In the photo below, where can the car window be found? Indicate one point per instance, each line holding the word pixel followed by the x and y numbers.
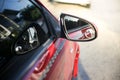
pixel 22 12
pixel 15 17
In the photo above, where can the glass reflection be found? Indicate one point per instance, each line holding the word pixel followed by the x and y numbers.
pixel 15 15
pixel 78 29
pixel 73 23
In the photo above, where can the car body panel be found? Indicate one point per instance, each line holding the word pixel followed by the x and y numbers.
pixel 60 69
pixel 58 63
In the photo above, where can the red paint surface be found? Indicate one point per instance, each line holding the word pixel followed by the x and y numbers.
pixel 65 66
pixel 42 63
pixel 65 63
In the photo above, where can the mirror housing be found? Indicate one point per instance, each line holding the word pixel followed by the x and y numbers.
pixel 77 29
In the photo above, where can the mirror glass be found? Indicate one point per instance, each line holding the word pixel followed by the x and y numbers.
pixel 78 29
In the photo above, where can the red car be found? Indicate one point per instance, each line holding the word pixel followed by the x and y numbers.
pixel 34 45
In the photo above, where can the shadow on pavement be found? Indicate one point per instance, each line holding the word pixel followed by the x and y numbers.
pixel 82 74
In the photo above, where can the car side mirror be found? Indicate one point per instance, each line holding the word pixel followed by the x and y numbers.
pixel 77 29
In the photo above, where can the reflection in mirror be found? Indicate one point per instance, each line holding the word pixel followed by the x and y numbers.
pixel 78 29
pixel 73 23
pixel 28 41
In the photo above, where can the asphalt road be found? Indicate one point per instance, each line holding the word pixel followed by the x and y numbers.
pixel 99 59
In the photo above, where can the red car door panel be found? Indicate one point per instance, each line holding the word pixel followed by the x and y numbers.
pixel 63 67
pixel 40 67
pixel 56 63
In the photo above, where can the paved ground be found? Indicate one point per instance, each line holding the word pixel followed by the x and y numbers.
pixel 100 58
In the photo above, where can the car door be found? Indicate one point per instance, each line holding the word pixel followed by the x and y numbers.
pixel 58 59
pixel 63 67
pixel 40 55
pixel 50 65
pixel 33 42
